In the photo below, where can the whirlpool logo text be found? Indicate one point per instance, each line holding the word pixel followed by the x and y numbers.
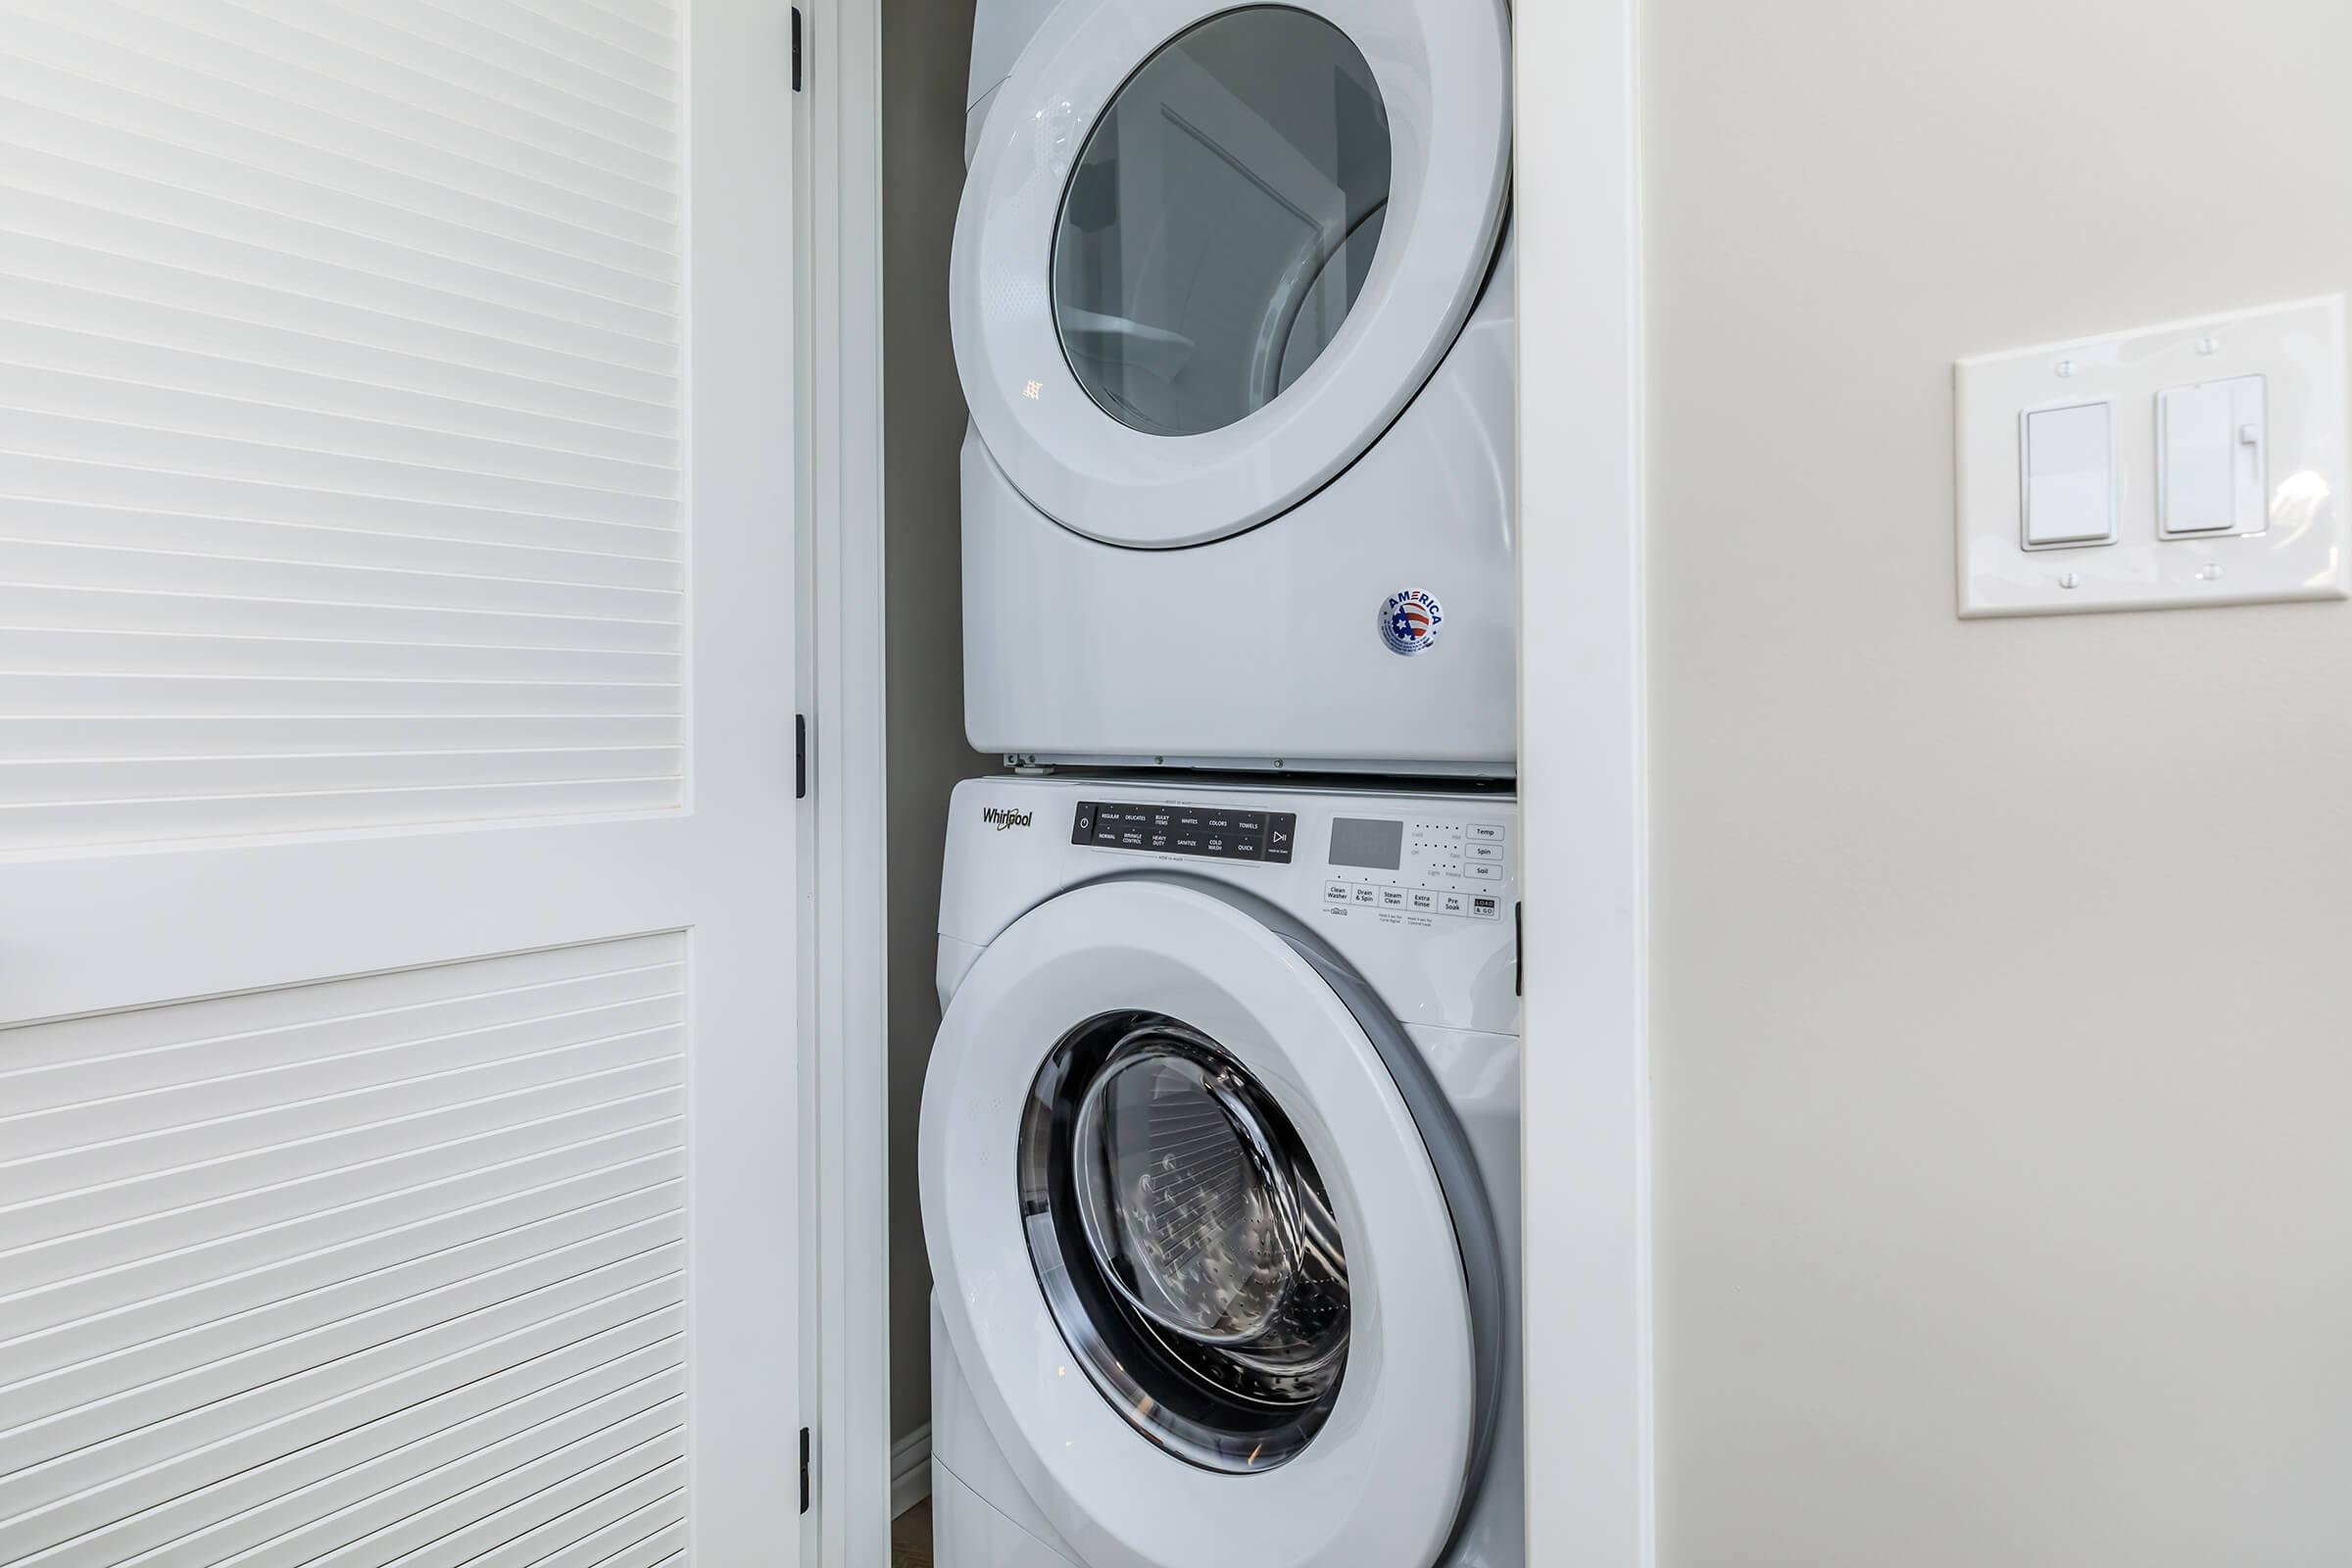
pixel 998 817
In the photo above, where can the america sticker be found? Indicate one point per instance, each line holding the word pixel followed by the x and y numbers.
pixel 1409 623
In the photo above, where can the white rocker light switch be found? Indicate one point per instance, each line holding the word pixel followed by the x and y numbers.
pixel 2069 461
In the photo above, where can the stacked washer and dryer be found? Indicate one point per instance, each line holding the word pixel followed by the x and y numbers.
pixel 1220 1138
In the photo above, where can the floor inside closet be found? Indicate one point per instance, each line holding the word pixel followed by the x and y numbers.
pixel 910 1537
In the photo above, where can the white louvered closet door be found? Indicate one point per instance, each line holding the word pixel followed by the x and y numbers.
pixel 399 1083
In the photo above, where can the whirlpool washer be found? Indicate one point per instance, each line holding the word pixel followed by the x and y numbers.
pixel 1219 1175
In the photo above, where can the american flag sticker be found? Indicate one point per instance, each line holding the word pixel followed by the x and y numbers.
pixel 1409 623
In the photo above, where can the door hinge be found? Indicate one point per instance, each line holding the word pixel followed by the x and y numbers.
pixel 800 756
pixel 804 1469
pixel 796 48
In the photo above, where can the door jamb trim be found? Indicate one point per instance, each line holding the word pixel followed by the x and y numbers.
pixel 846 1354
pixel 1583 786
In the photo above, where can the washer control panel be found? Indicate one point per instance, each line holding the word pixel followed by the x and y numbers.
pixel 1434 867
pixel 1212 832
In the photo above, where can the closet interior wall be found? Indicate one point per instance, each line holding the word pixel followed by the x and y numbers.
pixel 926 57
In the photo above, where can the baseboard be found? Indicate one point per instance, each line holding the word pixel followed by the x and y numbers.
pixel 911 1470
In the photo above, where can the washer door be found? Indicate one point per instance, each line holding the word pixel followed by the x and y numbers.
pixel 1188 1247
pixel 1208 253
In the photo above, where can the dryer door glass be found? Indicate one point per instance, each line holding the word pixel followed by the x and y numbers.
pixel 1185 1242
pixel 1221 220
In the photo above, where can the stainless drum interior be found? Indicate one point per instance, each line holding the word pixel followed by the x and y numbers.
pixel 1185 1242
pixel 1221 220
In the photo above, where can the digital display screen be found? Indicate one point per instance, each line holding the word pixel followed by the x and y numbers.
pixel 1374 845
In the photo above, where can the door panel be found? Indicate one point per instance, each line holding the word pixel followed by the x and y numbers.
pixel 398 1077
pixel 309 425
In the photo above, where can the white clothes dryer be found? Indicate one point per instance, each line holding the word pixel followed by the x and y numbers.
pixel 1219 1172
pixel 1232 306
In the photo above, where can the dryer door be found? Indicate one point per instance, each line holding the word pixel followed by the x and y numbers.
pixel 1190 1247
pixel 1206 255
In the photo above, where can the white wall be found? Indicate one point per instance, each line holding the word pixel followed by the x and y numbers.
pixel 926 49
pixel 2004 1192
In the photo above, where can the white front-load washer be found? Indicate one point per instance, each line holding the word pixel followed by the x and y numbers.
pixel 1220 1178
pixel 1233 308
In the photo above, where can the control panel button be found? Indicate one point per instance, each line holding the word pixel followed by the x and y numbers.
pixel 1212 833
pixel 1393 898
pixel 1484 871
pixel 1423 903
pixel 1453 903
pixel 1485 852
pixel 1335 893
pixel 1367 894
pixel 1488 833
pixel 1483 908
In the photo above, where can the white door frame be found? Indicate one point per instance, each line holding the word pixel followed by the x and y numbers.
pixel 1583 787
pixel 847 1349
pixel 1583 750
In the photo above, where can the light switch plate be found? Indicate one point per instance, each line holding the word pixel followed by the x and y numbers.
pixel 2292 547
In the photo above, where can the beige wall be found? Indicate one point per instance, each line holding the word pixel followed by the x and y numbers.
pixel 927 48
pixel 2001 970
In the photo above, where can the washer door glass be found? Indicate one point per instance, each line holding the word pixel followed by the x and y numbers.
pixel 1186 1245
pixel 1222 220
